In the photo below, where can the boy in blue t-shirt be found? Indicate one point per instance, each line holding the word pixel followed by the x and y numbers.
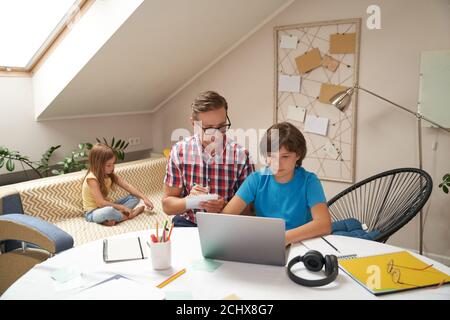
pixel 284 189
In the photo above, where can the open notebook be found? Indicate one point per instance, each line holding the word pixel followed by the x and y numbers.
pixel 393 272
pixel 123 249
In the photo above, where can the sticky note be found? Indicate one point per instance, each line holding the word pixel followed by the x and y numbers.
pixel 308 61
pixel 289 42
pixel 328 90
pixel 178 295
pixel 206 265
pixel 232 297
pixel 330 63
pixel 343 43
pixel 289 83
pixel 65 274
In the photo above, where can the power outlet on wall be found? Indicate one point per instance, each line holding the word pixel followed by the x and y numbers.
pixel 134 141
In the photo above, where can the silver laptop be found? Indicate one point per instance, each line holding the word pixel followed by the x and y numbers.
pixel 242 238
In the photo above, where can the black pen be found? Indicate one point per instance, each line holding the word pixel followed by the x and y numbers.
pixel 330 244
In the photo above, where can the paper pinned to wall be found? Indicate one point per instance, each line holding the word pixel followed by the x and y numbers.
pixel 330 63
pixel 330 150
pixel 328 90
pixel 308 61
pixel 296 113
pixel 288 83
pixel 343 43
pixel 317 125
pixel 289 42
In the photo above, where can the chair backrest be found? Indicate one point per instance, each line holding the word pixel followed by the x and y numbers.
pixel 384 202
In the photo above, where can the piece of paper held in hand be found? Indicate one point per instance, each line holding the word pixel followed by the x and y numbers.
pixel 193 202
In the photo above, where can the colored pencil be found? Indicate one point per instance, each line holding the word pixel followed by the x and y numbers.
pixel 170 232
pixel 170 279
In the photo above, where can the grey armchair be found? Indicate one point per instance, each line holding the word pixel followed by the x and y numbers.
pixel 24 240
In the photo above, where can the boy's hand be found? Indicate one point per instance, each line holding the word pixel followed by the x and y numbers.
pixel 148 204
pixel 213 205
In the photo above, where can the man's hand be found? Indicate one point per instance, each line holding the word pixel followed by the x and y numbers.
pixel 198 190
pixel 213 205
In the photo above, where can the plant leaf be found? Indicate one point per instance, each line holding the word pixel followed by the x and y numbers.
pixel 445 189
pixel 2 161
pixel 98 140
pixel 105 141
pixel 112 142
pixel 10 165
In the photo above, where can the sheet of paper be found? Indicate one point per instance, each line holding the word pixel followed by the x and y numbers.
pixel 316 125
pixel 289 83
pixel 178 295
pixel 120 288
pixel 343 43
pixel 308 61
pixel 193 202
pixel 296 113
pixel 206 265
pixel 289 42
pixel 330 150
pixel 328 90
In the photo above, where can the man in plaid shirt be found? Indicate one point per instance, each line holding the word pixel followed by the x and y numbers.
pixel 207 162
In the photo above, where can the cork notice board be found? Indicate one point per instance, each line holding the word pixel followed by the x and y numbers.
pixel 313 62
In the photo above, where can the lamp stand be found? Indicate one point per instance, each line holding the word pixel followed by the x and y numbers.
pixel 419 117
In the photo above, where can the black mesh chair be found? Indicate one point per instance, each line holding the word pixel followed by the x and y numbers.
pixel 384 202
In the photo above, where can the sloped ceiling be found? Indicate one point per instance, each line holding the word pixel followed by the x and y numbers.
pixel 163 45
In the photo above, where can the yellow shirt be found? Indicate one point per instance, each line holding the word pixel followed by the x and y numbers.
pixel 88 200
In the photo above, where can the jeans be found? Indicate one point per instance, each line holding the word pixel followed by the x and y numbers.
pixel 101 215
pixel 180 221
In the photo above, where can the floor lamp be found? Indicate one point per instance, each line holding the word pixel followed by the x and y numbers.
pixel 342 99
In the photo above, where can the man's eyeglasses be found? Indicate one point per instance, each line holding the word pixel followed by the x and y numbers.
pixel 212 130
pixel 395 273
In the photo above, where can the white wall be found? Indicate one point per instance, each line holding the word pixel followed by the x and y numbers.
pixel 389 65
pixel 19 130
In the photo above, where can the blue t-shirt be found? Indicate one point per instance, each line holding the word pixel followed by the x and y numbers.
pixel 291 201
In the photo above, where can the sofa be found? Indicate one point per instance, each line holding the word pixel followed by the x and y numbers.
pixel 58 200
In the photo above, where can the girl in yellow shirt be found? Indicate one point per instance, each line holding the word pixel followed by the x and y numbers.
pixel 97 184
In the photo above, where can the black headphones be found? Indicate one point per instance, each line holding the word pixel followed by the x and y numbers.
pixel 314 261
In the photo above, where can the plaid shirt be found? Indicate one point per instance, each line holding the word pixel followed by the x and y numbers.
pixel 223 173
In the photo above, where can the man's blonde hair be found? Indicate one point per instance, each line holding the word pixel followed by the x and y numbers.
pixel 208 101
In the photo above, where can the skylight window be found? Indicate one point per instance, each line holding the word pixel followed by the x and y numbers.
pixel 28 27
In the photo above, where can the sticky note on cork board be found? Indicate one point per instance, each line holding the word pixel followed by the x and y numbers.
pixel 343 43
pixel 308 61
pixel 327 91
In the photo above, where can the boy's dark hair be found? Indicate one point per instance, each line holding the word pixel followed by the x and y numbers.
pixel 289 137
pixel 208 101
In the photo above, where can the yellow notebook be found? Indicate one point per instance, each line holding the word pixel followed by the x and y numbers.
pixel 393 272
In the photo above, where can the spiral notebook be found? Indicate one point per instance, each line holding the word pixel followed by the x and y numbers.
pixel 393 272
pixel 115 250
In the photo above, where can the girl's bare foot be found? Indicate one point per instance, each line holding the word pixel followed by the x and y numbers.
pixel 109 223
pixel 136 211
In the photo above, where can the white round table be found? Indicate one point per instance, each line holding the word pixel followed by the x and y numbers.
pixel 243 280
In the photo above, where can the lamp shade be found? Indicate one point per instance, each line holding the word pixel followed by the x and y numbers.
pixel 342 99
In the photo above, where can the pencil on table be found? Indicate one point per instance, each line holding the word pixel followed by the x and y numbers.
pixel 171 278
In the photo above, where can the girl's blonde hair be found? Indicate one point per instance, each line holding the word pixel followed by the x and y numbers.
pixel 98 156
